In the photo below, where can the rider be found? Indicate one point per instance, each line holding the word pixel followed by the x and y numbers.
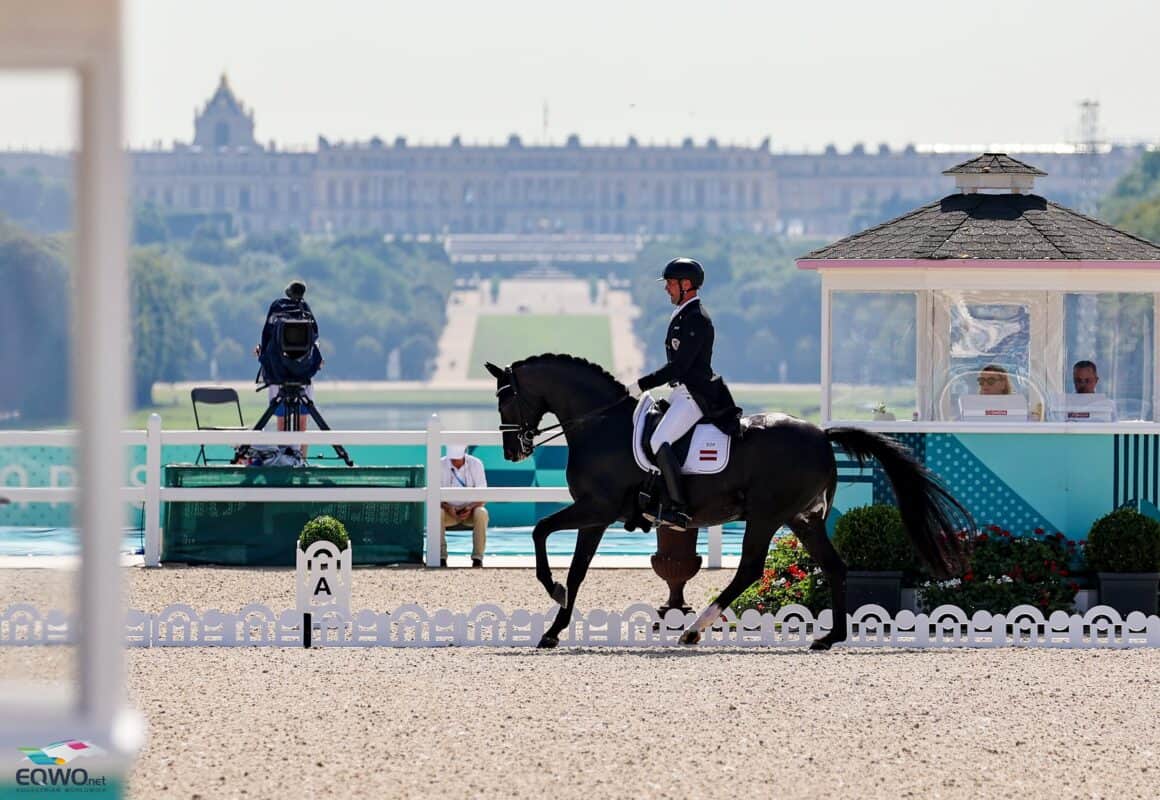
pixel 697 391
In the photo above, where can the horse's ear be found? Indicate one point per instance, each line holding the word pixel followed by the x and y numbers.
pixel 496 372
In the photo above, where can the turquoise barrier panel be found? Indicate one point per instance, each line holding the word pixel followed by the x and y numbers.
pixel 1024 481
pixel 54 467
pixel 1020 481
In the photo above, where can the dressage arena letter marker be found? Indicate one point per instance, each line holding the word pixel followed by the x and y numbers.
pixel 323 578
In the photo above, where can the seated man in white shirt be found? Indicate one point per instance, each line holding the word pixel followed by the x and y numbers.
pixel 463 471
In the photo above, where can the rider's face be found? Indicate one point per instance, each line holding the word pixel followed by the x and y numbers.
pixel 673 288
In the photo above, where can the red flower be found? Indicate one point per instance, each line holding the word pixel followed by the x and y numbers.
pixel 797 572
pixel 982 537
pixel 970 576
pixel 1039 531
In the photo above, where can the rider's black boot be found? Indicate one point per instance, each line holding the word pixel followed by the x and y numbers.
pixel 674 514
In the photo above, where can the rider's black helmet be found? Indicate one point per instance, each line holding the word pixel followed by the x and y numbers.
pixel 680 268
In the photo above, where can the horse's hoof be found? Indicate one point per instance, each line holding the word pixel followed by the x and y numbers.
pixel 547 642
pixel 827 641
pixel 560 594
pixel 690 637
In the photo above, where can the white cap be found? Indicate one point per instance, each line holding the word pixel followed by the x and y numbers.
pixel 456 451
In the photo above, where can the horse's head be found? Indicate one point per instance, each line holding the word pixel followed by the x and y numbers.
pixel 519 413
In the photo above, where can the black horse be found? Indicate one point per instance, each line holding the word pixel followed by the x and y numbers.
pixel 782 472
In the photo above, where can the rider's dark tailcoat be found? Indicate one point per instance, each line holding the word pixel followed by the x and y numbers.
pixel 689 349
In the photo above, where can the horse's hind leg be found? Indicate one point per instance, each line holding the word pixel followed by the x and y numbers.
pixel 587 540
pixel 754 548
pixel 810 528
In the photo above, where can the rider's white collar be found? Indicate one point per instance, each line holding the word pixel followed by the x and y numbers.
pixel 681 307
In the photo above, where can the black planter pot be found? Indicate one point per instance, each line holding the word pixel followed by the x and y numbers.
pixel 1129 591
pixel 864 587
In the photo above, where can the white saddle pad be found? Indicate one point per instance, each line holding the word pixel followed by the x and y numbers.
pixel 708 452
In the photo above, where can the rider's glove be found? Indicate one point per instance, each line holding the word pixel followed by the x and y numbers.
pixel 634 390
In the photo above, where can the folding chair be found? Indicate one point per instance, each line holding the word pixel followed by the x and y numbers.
pixel 215 395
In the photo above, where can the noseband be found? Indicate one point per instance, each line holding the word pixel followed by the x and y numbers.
pixel 526 433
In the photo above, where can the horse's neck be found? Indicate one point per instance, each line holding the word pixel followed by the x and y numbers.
pixel 570 397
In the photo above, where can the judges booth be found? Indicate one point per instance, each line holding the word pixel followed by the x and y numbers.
pixel 1009 341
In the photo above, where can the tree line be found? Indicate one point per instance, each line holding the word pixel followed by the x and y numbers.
pixel 199 303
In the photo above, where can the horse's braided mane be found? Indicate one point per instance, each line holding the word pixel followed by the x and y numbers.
pixel 570 359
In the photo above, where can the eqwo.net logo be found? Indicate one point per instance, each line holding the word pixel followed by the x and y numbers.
pixel 59 753
pixel 50 771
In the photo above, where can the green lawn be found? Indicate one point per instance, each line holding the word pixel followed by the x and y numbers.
pixel 503 339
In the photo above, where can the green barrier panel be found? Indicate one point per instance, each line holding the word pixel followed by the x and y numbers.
pixel 263 534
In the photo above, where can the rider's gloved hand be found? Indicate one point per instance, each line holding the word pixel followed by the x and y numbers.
pixel 634 390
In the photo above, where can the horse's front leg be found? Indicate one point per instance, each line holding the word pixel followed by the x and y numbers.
pixel 586 543
pixel 577 515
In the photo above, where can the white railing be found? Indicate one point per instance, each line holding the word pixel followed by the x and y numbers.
pixel 152 494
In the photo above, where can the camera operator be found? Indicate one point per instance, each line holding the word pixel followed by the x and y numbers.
pixel 292 306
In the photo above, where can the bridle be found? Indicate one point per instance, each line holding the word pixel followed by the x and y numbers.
pixel 527 433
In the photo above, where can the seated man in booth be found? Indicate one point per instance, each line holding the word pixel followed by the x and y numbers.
pixel 463 471
pixel 1085 377
pixel 1088 403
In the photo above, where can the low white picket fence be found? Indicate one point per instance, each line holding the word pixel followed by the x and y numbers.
pixel 152 494
pixel 638 625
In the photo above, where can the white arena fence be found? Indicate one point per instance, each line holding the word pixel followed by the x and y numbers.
pixel 152 494
pixel 637 626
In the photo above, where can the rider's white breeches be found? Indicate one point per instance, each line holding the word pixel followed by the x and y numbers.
pixel 682 415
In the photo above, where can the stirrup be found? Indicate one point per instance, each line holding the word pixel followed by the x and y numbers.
pixel 673 518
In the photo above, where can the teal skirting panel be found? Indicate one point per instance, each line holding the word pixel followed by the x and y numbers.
pixel 1025 481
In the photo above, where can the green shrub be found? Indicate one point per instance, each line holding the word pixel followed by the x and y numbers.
pixel 791 577
pixel 1124 541
pixel 326 529
pixel 873 538
pixel 1006 571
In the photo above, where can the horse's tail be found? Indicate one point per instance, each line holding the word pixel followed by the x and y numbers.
pixel 931 516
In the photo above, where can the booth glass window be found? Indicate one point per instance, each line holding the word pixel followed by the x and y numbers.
pixel 872 355
pixel 1114 333
pixel 986 364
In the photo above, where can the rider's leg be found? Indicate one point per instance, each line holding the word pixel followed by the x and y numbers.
pixel 682 415
pixel 676 514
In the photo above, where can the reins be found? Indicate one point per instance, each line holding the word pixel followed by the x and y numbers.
pixel 528 433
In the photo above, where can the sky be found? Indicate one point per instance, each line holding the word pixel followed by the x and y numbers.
pixel 804 74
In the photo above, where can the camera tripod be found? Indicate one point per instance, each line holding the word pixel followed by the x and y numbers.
pixel 294 396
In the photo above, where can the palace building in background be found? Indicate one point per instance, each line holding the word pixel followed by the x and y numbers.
pixel 523 189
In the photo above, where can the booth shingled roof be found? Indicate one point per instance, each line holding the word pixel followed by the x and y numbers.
pixel 1013 225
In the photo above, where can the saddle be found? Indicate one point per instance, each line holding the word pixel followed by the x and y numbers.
pixel 702 451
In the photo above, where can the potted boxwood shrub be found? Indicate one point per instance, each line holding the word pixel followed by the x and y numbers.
pixel 1123 549
pixel 874 545
pixel 324 528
